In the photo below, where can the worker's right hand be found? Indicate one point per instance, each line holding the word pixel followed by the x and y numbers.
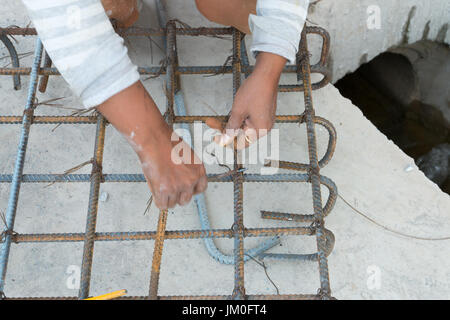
pixel 173 177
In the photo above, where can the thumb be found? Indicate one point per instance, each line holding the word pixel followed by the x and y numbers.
pixel 232 128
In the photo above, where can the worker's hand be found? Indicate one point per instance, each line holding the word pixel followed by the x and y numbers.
pixel 173 171
pixel 253 112
pixel 173 177
pixel 125 12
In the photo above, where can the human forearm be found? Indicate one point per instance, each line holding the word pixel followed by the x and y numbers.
pixel 270 66
pixel 172 178
pixel 134 113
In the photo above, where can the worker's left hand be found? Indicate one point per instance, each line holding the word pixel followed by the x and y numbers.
pixel 253 112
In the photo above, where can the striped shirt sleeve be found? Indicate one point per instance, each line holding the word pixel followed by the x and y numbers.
pixel 277 26
pixel 83 45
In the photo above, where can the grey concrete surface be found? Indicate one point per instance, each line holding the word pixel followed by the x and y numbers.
pixel 370 171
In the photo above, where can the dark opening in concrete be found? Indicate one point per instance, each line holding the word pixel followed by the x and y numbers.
pixel 389 92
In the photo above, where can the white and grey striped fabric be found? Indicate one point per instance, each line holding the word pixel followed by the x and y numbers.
pixel 92 58
pixel 277 26
pixel 83 45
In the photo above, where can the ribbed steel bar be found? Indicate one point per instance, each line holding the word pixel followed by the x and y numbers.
pixel 157 255
pixel 329 245
pixel 168 235
pixel 238 186
pixel 223 118
pixel 126 177
pixel 50 120
pixel 314 170
pixel 44 79
pixel 135 31
pixel 186 70
pixel 18 168
pixel 170 96
pixel 91 221
pixel 93 120
pixel 200 297
pixel 322 162
pixel 14 59
pixel 329 205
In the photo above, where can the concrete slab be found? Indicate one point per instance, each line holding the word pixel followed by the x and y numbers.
pixel 369 170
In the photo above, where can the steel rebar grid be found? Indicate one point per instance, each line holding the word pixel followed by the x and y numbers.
pixel 325 239
pixel 314 169
pixel 91 221
pixel 320 67
pixel 238 186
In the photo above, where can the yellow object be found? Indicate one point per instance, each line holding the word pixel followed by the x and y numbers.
pixel 109 296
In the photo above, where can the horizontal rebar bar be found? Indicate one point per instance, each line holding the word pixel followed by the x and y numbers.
pixel 156 70
pixel 135 31
pixel 171 234
pixel 93 119
pixel 124 177
pixel 192 297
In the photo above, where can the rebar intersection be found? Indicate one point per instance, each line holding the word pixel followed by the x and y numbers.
pixel 324 237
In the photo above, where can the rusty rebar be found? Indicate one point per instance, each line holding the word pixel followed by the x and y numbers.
pixel 44 79
pixel 238 186
pixel 170 93
pixel 314 168
pixel 240 65
pixel 91 221
pixel 18 168
pixel 15 62
pixel 168 235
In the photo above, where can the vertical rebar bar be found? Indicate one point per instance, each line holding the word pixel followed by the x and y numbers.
pixel 20 159
pixel 170 92
pixel 157 255
pixel 170 75
pixel 314 170
pixel 91 221
pixel 44 79
pixel 238 186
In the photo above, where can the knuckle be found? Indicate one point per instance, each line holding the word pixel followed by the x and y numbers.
pixel 170 206
pixel 186 184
